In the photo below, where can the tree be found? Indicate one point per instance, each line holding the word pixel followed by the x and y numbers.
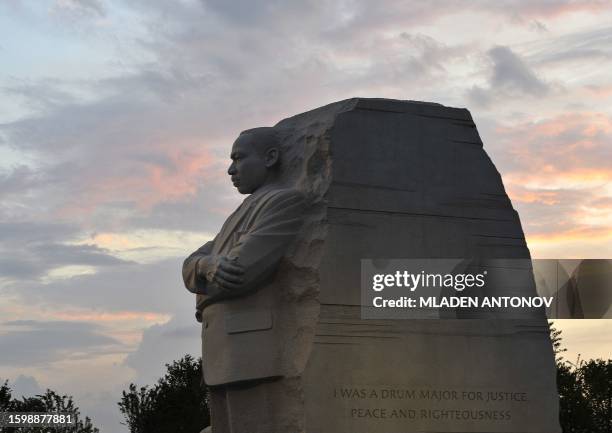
pixel 585 392
pixel 555 338
pixel 595 377
pixel 574 411
pixel 49 402
pixel 177 403
pixel 5 396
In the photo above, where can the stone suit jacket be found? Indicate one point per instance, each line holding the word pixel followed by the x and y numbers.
pixel 240 336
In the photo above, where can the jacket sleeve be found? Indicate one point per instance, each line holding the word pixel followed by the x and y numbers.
pixel 196 266
pixel 260 249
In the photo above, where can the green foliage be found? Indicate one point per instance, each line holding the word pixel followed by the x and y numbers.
pixel 574 410
pixel 178 403
pixel 49 402
pixel 595 377
pixel 555 338
pixel 585 392
pixel 5 396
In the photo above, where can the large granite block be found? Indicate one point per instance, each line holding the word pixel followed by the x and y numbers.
pixel 403 179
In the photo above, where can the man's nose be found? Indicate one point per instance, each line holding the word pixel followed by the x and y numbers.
pixel 232 169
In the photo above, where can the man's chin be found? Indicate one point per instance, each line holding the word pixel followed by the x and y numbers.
pixel 243 190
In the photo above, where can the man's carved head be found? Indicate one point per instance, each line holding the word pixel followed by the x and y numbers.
pixel 255 159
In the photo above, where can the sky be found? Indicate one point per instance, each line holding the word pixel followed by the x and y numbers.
pixel 116 119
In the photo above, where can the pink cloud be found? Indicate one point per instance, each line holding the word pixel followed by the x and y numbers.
pixel 182 180
pixel 148 183
pixel 598 91
pixel 519 193
pixel 559 175
pixel 575 142
pixel 555 9
pixel 109 316
pixel 553 177
pixel 576 234
pixel 604 203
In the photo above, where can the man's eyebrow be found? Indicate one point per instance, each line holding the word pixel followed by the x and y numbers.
pixel 235 154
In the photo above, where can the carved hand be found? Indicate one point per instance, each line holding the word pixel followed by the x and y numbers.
pixel 227 274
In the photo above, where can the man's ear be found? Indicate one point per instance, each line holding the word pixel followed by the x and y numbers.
pixel 272 157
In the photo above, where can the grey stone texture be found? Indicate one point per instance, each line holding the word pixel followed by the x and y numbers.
pixel 403 179
pixel 397 179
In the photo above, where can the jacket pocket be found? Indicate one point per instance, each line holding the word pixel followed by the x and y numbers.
pixel 246 321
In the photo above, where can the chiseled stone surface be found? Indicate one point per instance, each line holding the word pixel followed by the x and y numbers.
pixel 403 179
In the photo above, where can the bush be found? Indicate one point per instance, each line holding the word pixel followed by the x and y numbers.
pixel 585 392
pixel 178 403
pixel 50 402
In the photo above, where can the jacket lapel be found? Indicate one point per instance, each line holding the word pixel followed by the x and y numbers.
pixel 229 228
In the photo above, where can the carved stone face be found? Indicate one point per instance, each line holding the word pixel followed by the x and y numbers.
pixel 250 167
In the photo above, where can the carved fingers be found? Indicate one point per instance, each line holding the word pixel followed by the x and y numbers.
pixel 229 274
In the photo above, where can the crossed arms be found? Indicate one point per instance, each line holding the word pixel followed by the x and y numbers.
pixel 253 258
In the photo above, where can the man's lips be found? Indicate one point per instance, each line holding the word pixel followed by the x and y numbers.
pixel 235 182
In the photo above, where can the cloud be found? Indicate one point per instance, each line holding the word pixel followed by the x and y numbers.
pixel 59 254
pixel 511 73
pixel 583 234
pixel 108 161
pixel 125 113
pixel 20 180
pixel 205 211
pixel 33 260
pixel 38 95
pixel 247 13
pixel 25 386
pixel 603 203
pixel 510 77
pixel 549 211
pixel 598 91
pixel 43 231
pixel 29 250
pixel 29 342
pixel 573 49
pixel 555 147
pixel 162 344
pixel 106 316
pixel 148 147
pixel 154 287
pixel 80 7
pixel 545 9
pixel 558 172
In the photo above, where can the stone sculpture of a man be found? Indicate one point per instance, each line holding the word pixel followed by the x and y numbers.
pixel 237 293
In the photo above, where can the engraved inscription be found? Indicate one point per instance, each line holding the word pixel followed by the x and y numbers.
pixel 429 404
